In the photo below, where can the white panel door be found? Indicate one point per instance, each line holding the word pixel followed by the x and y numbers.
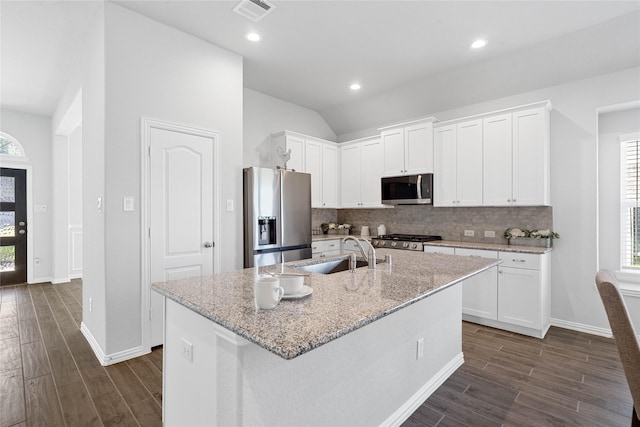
pixel 181 212
pixel 297 147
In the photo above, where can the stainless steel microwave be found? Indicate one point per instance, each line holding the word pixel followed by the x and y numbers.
pixel 408 190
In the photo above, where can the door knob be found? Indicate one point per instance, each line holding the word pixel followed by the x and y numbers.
pixel 21 231
pixel 208 244
pixel 22 223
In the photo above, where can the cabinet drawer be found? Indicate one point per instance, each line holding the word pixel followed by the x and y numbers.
pixel 477 253
pixel 519 260
pixel 325 245
pixel 439 250
pixel 352 246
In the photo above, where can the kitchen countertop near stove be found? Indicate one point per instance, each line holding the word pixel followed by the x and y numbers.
pixel 321 237
pixel 490 246
pixel 341 302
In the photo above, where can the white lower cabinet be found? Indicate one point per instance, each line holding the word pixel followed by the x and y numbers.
pixel 480 293
pixel 325 248
pixel 513 296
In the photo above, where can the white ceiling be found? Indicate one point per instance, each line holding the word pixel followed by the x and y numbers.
pixel 312 50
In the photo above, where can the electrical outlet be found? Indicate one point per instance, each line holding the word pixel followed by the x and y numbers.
pixel 469 233
pixel 90 304
pixel 489 233
pixel 229 205
pixel 420 348
pixel 187 349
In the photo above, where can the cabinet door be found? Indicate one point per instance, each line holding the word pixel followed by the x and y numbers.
pixel 530 157
pixel 418 141
pixel 297 147
pixel 496 161
pixel 393 150
pixel 469 163
pixel 371 172
pixel 519 297
pixel 444 165
pixel 329 176
pixel 480 292
pixel 350 173
pixel 313 154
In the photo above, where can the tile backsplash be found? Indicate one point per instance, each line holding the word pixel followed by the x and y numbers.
pixel 450 223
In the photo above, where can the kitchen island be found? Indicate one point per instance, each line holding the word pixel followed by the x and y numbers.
pixel 365 348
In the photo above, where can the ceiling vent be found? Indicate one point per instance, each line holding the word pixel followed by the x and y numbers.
pixel 254 10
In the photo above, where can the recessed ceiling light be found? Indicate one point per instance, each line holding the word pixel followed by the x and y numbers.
pixel 478 44
pixel 254 37
pixel 355 86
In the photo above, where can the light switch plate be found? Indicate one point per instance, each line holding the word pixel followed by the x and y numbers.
pixel 229 205
pixel 127 204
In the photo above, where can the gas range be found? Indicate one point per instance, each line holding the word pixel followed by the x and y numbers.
pixel 411 242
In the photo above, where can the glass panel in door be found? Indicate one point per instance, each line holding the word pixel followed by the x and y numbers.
pixel 13 226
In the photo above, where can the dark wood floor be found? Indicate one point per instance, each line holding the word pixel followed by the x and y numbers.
pixel 49 375
pixel 567 379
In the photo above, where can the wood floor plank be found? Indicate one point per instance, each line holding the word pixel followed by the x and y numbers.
pixel 77 407
pixel 63 366
pixel 29 331
pixel 34 360
pixel 113 411
pixel 10 358
pixel 128 383
pixel 43 407
pixel 12 405
pixel 149 375
pixel 9 327
pixel 148 413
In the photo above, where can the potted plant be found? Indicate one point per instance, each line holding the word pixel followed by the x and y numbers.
pixel 524 237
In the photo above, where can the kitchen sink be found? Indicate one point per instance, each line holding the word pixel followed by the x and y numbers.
pixel 333 266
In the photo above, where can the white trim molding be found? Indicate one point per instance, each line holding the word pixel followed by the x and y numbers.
pixel 146 125
pixel 581 327
pixel 110 359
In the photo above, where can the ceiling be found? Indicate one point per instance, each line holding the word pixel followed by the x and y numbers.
pixel 311 51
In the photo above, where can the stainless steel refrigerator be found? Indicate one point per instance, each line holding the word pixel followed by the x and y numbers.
pixel 277 216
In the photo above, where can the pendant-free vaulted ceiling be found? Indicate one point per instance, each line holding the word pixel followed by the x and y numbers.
pixel 311 51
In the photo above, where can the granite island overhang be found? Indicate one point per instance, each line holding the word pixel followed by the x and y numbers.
pixel 352 342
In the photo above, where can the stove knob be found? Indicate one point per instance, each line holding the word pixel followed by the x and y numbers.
pixel 405 245
pixel 375 243
pixel 394 244
pixel 383 243
pixel 414 246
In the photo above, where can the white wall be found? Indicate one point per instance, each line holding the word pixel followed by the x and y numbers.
pixel 574 162
pixel 34 133
pixel 264 115
pixel 149 70
pixel 75 204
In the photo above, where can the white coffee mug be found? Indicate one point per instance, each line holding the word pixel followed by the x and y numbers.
pixel 268 292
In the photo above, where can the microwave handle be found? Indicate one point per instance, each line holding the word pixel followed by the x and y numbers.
pixel 419 185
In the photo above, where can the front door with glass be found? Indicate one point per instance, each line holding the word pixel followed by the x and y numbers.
pixel 13 226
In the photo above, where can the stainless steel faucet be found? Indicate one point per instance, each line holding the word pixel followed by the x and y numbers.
pixel 371 257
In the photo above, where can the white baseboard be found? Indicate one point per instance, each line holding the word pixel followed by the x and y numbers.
pixel 110 359
pixel 580 327
pixel 35 280
pixel 410 406
pixel 60 280
pixel 75 276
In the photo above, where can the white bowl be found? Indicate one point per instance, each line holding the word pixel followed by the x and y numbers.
pixel 291 283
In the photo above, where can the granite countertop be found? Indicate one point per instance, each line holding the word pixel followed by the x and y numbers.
pixel 320 237
pixel 491 247
pixel 340 302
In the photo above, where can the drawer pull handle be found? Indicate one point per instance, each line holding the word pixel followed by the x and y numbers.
pixel 519 260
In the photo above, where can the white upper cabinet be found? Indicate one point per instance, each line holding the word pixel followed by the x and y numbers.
pixel 281 143
pixel 315 156
pixel 408 149
pixel 516 158
pixel 313 162
pixel 360 173
pixel 329 176
pixel 531 157
pixel 458 164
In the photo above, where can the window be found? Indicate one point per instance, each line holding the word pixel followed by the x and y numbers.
pixel 630 202
pixel 9 146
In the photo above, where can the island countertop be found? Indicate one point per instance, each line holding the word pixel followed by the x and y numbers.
pixel 340 302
